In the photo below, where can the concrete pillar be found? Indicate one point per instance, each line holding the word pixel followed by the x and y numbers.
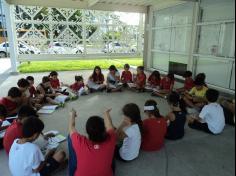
pixel 11 32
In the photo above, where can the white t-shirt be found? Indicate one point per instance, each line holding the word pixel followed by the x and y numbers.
pixel 131 145
pixel 23 158
pixel 213 115
pixel 110 77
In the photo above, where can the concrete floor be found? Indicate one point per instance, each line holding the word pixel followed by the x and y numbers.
pixel 198 154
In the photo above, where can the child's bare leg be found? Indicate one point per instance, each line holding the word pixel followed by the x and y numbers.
pixel 188 102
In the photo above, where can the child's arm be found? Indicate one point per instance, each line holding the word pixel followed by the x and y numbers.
pixel 120 131
pixel 170 117
pixel 107 119
pixel 72 128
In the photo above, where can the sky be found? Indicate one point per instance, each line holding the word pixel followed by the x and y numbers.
pixel 129 18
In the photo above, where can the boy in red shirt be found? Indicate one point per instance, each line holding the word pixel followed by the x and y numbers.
pixel 11 102
pixel 154 128
pixel 32 89
pixel 78 87
pixel 94 155
pixel 167 85
pixel 140 81
pixel 55 83
pixel 126 76
pixel 188 83
pixel 14 131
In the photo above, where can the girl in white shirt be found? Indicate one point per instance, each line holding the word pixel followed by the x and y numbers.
pixel 113 80
pixel 129 133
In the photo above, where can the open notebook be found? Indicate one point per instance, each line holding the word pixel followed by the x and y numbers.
pixel 49 109
pixel 61 98
pixel 4 124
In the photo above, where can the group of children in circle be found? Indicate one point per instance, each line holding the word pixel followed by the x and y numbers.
pixel 194 103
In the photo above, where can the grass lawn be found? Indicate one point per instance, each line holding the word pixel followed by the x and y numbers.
pixel 46 66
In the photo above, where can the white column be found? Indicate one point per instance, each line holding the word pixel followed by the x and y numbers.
pixel 11 32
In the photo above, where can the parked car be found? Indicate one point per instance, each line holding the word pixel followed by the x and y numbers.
pixel 117 47
pixel 22 49
pixel 64 48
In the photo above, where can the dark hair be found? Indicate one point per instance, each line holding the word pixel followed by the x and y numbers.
pixel 201 77
pixel 132 111
pixel 171 76
pixel 32 126
pixel 127 66
pixel 45 79
pixel 79 78
pixel 199 82
pixel 14 92
pixel 96 129
pixel 23 83
pixel 94 72
pixel 113 68
pixel 154 112
pixel 188 74
pixel 156 74
pixel 30 78
pixel 141 68
pixel 175 100
pixel 212 95
pixel 53 73
pixel 26 111
pixel 3 111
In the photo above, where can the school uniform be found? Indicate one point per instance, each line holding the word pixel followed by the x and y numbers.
pixel 153 81
pixel 141 80
pixel 213 119
pixel 96 82
pixel 55 83
pixel 8 104
pixel 166 83
pixel 126 77
pixel 154 131
pixel 188 84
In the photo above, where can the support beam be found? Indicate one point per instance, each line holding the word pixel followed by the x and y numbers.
pixel 8 9
pixel 92 2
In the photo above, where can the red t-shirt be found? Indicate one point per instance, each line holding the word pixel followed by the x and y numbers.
pixel 189 84
pixel 154 131
pixel 153 81
pixel 55 83
pixel 76 86
pixel 166 84
pixel 126 76
pixel 141 79
pixel 94 159
pixel 9 105
pixel 32 91
pixel 14 131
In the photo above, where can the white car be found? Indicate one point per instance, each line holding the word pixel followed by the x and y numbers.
pixel 117 47
pixel 22 49
pixel 64 48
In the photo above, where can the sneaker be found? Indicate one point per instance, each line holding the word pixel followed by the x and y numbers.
pixel 61 105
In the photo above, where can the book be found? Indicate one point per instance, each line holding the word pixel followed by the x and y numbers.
pixel 131 85
pixel 61 98
pixel 48 109
pixel 57 139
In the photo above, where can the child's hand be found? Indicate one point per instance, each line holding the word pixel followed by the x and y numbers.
pixel 107 111
pixel 73 113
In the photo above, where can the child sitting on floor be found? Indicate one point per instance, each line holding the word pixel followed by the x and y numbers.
pixel 229 110
pixel 32 89
pixel 15 129
pixel 167 86
pixel 26 158
pixel 129 133
pixel 113 80
pixel 154 81
pixel 12 101
pixel 196 98
pixel 78 88
pixel 140 80
pixel 96 81
pixel 45 90
pixel 211 119
pixel 188 83
pixel 176 118
pixel 98 149
pixel 154 128
pixel 24 86
pixel 55 82
pixel 126 76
